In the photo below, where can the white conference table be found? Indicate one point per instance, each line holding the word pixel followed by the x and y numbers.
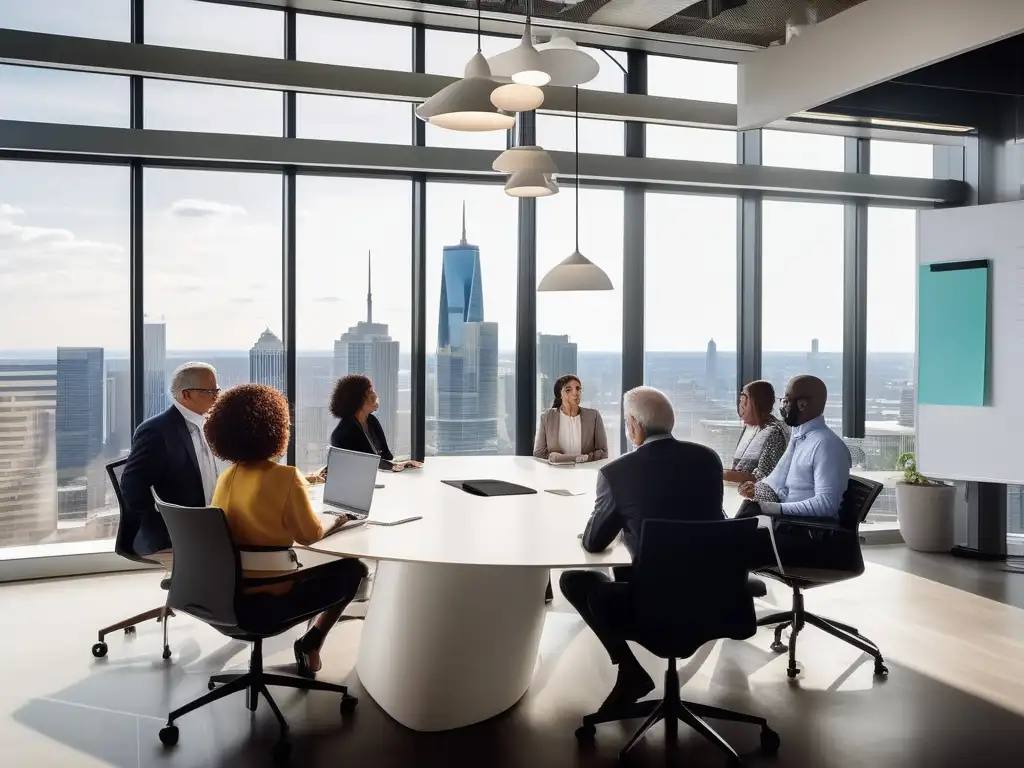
pixel 453 627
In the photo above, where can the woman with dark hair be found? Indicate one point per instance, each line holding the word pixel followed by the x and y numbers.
pixel 353 403
pixel 267 508
pixel 567 432
pixel 764 437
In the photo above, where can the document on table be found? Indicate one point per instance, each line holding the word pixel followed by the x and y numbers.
pixel 563 492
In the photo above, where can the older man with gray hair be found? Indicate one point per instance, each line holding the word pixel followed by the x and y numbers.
pixel 170 455
pixel 664 479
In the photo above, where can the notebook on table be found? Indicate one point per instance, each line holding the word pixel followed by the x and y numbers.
pixel 489 487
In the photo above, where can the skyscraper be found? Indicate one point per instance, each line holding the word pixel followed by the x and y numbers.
pixel 79 427
pixel 154 343
pixel 367 349
pixel 266 361
pixel 467 357
pixel 28 453
pixel 556 356
pixel 711 369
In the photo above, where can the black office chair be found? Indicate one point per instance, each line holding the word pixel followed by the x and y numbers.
pixel 841 543
pixel 207 583
pixel 703 566
pixel 124 546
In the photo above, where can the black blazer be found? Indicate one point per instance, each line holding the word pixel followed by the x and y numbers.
pixel 665 479
pixel 349 435
pixel 163 458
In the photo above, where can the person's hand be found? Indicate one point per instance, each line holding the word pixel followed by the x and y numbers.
pixel 582 459
pixel 315 479
pixel 411 464
pixel 339 521
pixel 747 489
pixel 397 466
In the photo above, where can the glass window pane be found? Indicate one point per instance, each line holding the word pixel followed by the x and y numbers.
pixel 214 27
pixel 802 290
pixel 471 319
pixel 339 118
pixel 176 106
pixel 213 272
pixel 598 137
pixel 690 322
pixel 102 19
pixel 587 323
pixel 899 158
pixel 65 399
pixel 691 79
pixel 810 151
pixel 345 324
pixel 682 143
pixel 62 96
pixel 353 43
pixel 892 325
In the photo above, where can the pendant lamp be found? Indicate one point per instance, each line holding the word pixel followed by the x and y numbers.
pixel 532 171
pixel 567 64
pixel 576 272
pixel 514 97
pixel 522 64
pixel 466 104
pixel 530 184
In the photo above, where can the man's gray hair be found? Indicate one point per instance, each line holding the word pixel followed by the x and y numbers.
pixel 652 410
pixel 187 376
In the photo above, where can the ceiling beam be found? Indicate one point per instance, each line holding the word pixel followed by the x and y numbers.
pixel 638 14
pixel 872 42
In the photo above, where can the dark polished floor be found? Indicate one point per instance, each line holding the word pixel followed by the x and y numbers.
pixel 955 696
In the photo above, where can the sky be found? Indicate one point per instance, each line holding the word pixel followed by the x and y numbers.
pixel 213 239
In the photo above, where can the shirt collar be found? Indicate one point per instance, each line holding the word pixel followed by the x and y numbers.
pixel 805 429
pixel 190 416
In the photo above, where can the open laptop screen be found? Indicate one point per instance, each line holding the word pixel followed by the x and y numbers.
pixel 350 480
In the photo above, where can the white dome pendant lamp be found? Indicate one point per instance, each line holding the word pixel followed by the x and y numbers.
pixel 466 104
pixel 576 272
pixel 523 64
pixel 567 64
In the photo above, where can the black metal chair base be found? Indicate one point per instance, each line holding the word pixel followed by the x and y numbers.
pixel 797 618
pixel 255 683
pixel 161 614
pixel 672 709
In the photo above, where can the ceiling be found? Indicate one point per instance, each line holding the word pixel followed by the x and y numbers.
pixel 749 22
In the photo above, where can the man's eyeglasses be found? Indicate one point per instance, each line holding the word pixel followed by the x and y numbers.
pixel 206 391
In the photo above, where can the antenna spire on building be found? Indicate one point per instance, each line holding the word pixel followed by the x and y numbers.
pixel 369 288
pixel 463 223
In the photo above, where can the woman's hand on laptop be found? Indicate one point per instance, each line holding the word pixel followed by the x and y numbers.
pixel 338 522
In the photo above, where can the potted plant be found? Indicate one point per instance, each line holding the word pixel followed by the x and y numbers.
pixel 924 508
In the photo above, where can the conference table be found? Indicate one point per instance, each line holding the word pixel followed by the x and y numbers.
pixel 453 627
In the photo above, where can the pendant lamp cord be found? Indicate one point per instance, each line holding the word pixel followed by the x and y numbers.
pixel 577 159
pixel 479 22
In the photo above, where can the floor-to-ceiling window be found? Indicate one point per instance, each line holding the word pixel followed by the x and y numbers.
pixel 471 319
pixel 65 393
pixel 354 314
pixel 582 327
pixel 690 314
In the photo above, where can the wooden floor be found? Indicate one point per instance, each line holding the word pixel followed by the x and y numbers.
pixel 952 633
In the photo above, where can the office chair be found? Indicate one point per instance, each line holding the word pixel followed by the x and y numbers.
pixel 124 546
pixel 207 583
pixel 841 544
pixel 703 566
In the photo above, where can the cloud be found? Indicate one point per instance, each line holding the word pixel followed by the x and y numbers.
pixel 328 299
pixel 11 210
pixel 30 245
pixel 192 208
pixel 14 234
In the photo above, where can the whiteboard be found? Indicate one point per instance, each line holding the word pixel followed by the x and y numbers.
pixel 980 444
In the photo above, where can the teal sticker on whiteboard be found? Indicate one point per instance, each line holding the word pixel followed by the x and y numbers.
pixel 952 333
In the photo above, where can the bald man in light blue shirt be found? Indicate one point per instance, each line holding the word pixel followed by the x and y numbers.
pixel 811 477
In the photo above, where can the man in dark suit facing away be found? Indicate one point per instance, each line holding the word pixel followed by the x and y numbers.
pixel 170 455
pixel 663 479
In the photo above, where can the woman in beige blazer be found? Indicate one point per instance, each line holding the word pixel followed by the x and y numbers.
pixel 567 432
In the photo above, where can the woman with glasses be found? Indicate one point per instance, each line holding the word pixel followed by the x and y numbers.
pixel 569 433
pixel 764 437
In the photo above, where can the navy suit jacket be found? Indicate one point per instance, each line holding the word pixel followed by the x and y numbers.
pixel 162 458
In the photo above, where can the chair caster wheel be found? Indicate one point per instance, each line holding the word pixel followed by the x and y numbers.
pixel 211 685
pixel 99 650
pixel 792 673
pixel 770 741
pixel 167 653
pixel 129 630
pixel 586 733
pixel 778 647
pixel 169 735
pixel 881 670
pixel 348 704
pixel 282 752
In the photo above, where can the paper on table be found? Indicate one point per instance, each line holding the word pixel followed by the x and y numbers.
pixel 765 521
pixel 563 492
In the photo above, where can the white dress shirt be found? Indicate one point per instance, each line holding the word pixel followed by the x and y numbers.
pixel 570 434
pixel 207 465
pixel 813 473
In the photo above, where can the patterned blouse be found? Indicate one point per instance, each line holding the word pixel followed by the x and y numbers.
pixel 760 448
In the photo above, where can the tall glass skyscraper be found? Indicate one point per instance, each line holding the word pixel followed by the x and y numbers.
pixel 556 356
pixel 154 342
pixel 467 357
pixel 266 361
pixel 80 380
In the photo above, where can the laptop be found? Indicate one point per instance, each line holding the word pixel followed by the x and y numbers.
pixel 351 476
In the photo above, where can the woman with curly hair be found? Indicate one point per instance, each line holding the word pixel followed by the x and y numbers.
pixel 267 508
pixel 353 403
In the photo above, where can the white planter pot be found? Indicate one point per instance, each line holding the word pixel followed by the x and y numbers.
pixel 925 514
